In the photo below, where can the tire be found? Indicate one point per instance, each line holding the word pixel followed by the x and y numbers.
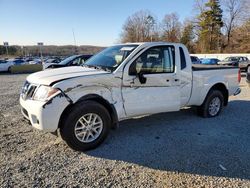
pixel 75 120
pixel 9 70
pixel 213 104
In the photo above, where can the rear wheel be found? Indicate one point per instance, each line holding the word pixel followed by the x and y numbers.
pixel 212 105
pixel 86 126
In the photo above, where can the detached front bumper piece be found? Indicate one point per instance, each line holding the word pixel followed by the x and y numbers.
pixel 44 115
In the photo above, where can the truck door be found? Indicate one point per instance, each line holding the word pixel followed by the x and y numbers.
pixel 150 82
pixel 185 75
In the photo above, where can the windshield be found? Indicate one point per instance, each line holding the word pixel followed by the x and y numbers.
pixel 111 57
pixel 65 61
pixel 231 59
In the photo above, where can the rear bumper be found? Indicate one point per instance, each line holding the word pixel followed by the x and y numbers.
pixel 44 115
pixel 237 92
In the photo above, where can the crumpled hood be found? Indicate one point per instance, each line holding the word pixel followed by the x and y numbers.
pixel 49 76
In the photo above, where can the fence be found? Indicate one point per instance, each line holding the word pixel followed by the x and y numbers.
pixel 219 56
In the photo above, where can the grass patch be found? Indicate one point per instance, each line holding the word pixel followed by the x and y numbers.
pixel 26 68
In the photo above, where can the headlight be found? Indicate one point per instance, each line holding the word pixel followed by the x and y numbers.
pixel 43 93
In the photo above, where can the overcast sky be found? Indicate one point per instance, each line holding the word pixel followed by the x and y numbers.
pixel 95 22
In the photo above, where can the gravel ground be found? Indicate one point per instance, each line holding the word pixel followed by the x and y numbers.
pixel 166 150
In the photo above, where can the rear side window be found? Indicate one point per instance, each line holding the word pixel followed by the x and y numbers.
pixel 183 59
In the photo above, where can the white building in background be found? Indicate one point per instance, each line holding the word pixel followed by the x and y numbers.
pixel 219 56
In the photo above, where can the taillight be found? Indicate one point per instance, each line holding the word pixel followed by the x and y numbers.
pixel 239 76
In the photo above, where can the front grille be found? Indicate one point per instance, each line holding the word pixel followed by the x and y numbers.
pixel 28 90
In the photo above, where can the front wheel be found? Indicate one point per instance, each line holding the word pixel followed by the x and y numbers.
pixel 212 105
pixel 86 126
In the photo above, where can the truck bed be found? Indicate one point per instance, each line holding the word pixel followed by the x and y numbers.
pixel 202 67
pixel 205 76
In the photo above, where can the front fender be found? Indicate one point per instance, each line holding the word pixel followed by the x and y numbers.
pixel 79 91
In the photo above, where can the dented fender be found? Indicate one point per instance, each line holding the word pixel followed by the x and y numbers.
pixel 107 87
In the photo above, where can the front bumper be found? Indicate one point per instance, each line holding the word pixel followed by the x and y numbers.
pixel 44 115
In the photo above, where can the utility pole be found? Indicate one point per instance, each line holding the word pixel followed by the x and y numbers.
pixel 150 24
pixel 40 44
pixel 22 47
pixel 74 40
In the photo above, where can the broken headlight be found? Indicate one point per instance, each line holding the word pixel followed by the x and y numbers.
pixel 43 93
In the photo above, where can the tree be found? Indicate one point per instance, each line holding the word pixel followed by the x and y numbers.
pixel 210 24
pixel 234 11
pixel 187 36
pixel 171 28
pixel 140 27
pixel 240 40
pixel 199 6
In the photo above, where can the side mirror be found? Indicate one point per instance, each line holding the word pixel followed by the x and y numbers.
pixel 142 78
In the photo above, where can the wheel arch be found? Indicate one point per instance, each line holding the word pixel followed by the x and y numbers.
pixel 99 99
pixel 10 68
pixel 223 89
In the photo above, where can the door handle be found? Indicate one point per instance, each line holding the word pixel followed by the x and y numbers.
pixel 176 80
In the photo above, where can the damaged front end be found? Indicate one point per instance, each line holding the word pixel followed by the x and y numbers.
pixel 43 106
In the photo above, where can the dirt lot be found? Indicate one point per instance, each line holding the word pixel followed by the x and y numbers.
pixel 166 150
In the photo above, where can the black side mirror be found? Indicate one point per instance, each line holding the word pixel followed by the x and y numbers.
pixel 142 78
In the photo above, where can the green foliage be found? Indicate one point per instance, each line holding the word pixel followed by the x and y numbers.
pixel 48 50
pixel 210 24
pixel 188 37
pixel 26 68
pixel 12 50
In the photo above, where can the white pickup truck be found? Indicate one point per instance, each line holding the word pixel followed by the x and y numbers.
pixel 121 82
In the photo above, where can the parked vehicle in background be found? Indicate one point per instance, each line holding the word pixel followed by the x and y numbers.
pixel 52 61
pixel 75 60
pixel 232 61
pixel 17 61
pixel 242 62
pixel 210 61
pixel 195 60
pixel 248 76
pixel 35 61
pixel 122 82
pixel 5 65
pixel 28 59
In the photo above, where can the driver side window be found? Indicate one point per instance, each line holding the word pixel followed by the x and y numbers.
pixel 154 61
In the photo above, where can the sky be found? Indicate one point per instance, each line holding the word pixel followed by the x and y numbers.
pixel 94 22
